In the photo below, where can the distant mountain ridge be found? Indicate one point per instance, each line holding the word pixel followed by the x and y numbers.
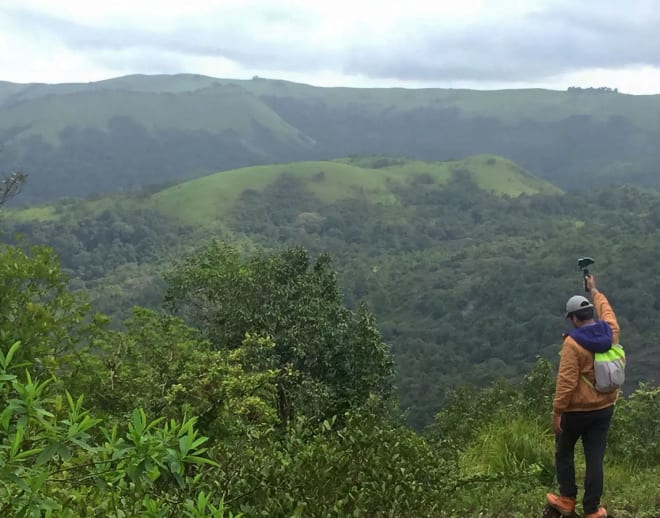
pixel 78 139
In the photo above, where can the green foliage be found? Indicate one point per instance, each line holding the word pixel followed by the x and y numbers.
pixel 204 508
pixel 465 285
pixel 38 310
pixel 635 433
pixel 338 356
pixel 512 446
pixel 51 463
pixel 205 436
pixel 537 390
pixel 160 364
pixel 466 410
pixel 125 139
pixel 139 364
pixel 234 394
pixel 198 201
pixel 363 466
pixel 503 447
pixel 95 238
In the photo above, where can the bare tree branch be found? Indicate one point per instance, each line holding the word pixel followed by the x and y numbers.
pixel 10 186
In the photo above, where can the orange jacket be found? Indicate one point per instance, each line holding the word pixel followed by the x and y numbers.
pixel 572 394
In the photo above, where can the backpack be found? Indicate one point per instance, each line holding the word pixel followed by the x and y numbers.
pixel 610 369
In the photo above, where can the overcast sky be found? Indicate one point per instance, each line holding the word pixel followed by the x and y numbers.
pixel 459 43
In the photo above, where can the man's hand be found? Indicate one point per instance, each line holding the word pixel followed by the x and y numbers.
pixel 589 282
pixel 556 424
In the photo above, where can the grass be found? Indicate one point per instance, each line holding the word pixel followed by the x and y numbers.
pixel 212 197
pixel 515 447
pixel 158 83
pixel 511 105
pixel 631 492
pixel 208 200
pixel 214 110
pixel 511 446
pixel 491 173
pixel 40 213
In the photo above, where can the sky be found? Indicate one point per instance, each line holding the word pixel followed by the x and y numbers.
pixel 482 44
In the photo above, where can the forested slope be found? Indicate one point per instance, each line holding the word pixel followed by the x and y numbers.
pixel 277 401
pixel 466 265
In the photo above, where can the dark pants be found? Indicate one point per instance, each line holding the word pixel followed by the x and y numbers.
pixel 592 427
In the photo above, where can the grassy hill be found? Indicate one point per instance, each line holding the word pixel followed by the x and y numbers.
pixel 371 179
pixel 209 200
pixel 127 132
pixel 217 109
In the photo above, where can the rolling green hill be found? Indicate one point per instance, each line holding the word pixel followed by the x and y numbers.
pixel 210 200
pixel 200 201
pixel 134 131
pixel 217 109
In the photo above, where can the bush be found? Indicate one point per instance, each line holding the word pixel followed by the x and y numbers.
pixel 635 433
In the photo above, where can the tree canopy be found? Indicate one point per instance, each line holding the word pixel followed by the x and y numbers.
pixel 161 419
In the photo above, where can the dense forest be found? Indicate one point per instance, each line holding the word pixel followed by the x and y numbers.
pixel 274 399
pixel 466 285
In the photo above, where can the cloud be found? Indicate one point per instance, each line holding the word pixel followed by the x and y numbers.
pixel 535 46
pixel 485 41
pixel 258 35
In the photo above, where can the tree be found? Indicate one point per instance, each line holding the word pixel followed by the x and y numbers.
pixel 11 186
pixel 160 364
pixel 56 459
pixel 37 309
pixel 339 357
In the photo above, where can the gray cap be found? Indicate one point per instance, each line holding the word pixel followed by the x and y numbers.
pixel 576 303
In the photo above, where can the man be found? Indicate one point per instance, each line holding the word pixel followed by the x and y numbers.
pixel 579 411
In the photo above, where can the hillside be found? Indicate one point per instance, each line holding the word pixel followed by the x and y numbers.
pixel 133 131
pixel 508 105
pixel 210 200
pixel 276 401
pixel 371 179
pixel 218 109
pixel 466 264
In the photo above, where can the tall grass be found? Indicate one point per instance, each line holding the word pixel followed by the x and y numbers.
pixel 511 446
pixel 511 461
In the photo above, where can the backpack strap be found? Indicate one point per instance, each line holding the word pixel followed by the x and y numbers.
pixel 584 378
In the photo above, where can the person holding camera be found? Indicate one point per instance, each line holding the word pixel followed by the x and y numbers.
pixel 579 410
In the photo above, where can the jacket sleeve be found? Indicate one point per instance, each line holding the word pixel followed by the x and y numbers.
pixel 606 313
pixel 568 376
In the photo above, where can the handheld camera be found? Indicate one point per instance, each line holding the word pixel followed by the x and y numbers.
pixel 583 264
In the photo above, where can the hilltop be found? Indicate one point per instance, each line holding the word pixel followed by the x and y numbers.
pixel 133 131
pixel 370 179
